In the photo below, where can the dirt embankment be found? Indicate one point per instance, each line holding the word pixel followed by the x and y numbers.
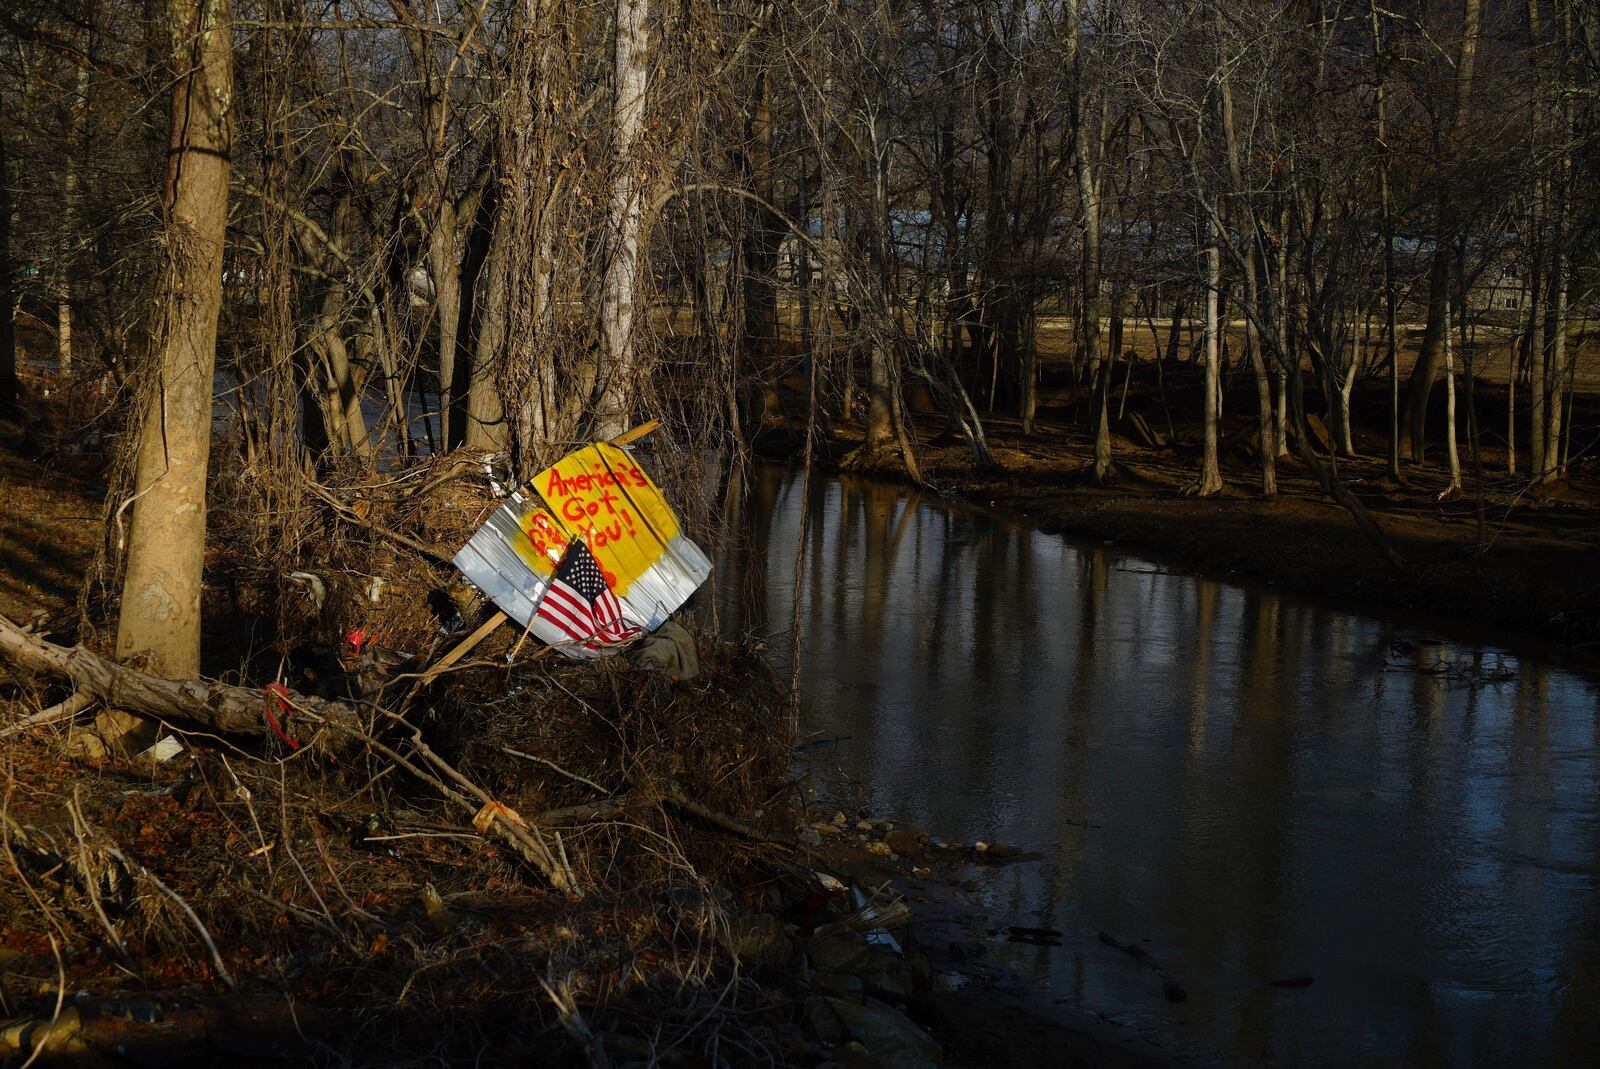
pixel 1530 572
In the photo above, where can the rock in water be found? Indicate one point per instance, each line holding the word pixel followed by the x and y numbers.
pixel 889 1036
pixel 907 842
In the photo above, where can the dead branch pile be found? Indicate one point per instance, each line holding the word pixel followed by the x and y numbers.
pixel 506 853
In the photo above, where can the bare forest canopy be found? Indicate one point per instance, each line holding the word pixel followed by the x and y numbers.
pixel 522 225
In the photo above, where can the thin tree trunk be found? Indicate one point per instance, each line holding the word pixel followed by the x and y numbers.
pixel 624 221
pixel 1386 213
pixel 1347 442
pixel 1450 407
pixel 1210 480
pixel 1438 326
pixel 487 426
pixel 8 288
pixel 1557 369
pixel 160 620
pixel 1089 268
pixel 1285 348
pixel 69 207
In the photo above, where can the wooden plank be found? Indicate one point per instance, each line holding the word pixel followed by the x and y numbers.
pixel 643 429
pixel 484 630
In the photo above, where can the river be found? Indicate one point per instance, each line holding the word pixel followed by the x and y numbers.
pixel 1253 786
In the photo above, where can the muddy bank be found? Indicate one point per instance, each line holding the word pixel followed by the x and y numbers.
pixel 1533 577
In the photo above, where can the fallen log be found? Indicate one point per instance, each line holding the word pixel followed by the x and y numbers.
pixel 252 712
pixel 236 710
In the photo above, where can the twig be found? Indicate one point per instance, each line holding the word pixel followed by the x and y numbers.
pixel 355 517
pixel 39 1042
pixel 66 710
pixel 721 820
pixel 556 768
pixel 594 1052
pixel 216 956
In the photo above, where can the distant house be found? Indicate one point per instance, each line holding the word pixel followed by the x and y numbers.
pixel 1501 289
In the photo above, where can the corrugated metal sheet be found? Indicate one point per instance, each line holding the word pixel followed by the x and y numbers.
pixel 512 568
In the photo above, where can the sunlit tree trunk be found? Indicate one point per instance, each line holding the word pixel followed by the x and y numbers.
pixel 1450 407
pixel 624 221
pixel 160 620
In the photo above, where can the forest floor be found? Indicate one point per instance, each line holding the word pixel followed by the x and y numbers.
pixel 1531 573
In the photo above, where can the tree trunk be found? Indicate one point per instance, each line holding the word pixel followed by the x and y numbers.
pixel 1282 326
pixel 1386 214
pixel 763 233
pixel 160 620
pixel 624 221
pixel 1347 442
pixel 1267 449
pixel 486 426
pixel 1210 481
pixel 446 272
pixel 1450 408
pixel 1427 366
pixel 1089 272
pixel 1538 386
pixel 1557 371
pixel 69 209
pixel 8 294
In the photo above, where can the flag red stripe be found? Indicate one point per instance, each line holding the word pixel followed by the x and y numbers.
pixel 576 626
pixel 566 612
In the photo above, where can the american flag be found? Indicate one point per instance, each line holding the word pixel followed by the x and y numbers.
pixel 580 604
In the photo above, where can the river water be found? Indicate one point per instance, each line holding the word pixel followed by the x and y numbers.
pixel 1253 786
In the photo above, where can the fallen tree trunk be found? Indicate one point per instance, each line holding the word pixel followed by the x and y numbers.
pixel 236 710
pixel 253 712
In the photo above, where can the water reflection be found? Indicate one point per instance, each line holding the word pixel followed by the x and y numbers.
pixel 1225 772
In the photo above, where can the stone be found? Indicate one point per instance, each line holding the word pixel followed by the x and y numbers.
pixel 907 842
pixel 837 984
pixel 838 819
pixel 1000 851
pixel 883 972
pixel 837 947
pixel 886 1035
pixel 810 837
pixel 879 848
pixel 761 940
pixel 864 825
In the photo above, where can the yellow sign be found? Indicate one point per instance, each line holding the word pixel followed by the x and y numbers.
pixel 600 495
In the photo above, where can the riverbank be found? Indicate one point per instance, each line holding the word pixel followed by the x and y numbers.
pixel 250 900
pixel 1534 578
